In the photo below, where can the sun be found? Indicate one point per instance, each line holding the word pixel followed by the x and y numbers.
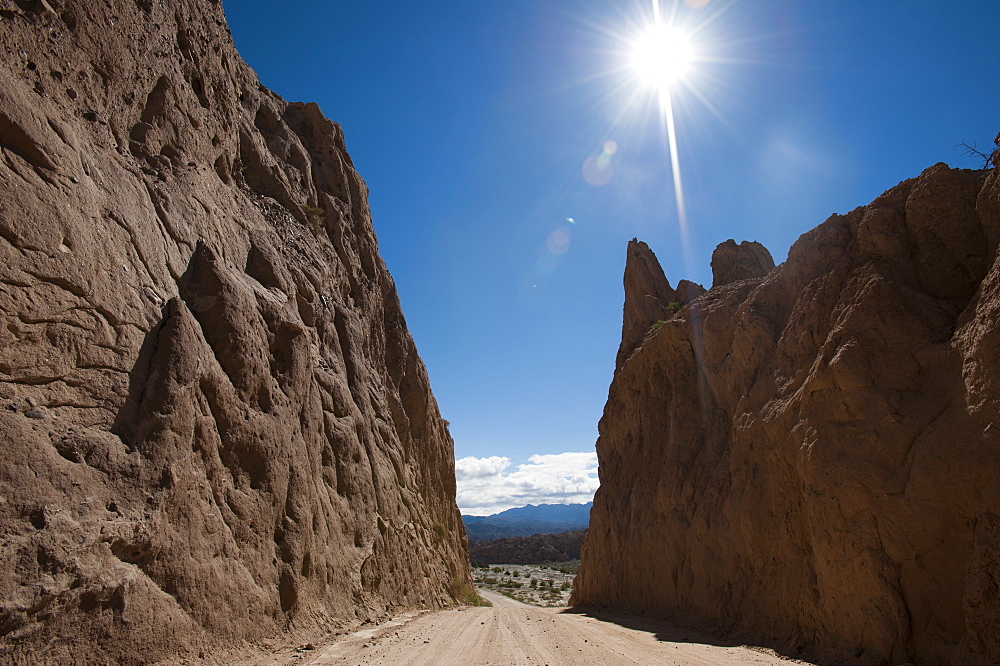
pixel 663 65
pixel 661 56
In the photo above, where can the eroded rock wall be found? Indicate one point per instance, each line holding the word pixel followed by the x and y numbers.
pixel 809 458
pixel 215 426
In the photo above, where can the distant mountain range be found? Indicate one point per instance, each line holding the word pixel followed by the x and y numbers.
pixel 529 520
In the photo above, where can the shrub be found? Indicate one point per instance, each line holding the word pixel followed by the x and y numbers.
pixel 440 531
pixel 315 217
pixel 464 593
pixel 673 306
pixel 989 159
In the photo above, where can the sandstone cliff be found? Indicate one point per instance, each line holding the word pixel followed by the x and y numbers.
pixel 732 262
pixel 809 457
pixel 649 298
pixel 215 426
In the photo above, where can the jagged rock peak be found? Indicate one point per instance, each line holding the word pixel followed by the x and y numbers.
pixel 732 262
pixel 648 296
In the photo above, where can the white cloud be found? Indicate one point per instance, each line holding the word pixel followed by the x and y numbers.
pixel 477 468
pixel 560 478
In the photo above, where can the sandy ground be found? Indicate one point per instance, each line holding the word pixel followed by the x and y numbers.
pixel 512 633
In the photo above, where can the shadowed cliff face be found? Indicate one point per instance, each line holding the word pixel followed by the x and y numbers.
pixel 746 261
pixel 215 424
pixel 649 298
pixel 809 457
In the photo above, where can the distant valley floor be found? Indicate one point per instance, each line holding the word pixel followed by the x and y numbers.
pixel 536 585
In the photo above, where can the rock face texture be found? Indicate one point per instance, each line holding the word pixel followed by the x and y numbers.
pixel 809 458
pixel 746 261
pixel 649 298
pixel 215 426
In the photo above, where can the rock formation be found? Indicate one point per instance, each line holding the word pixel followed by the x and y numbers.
pixel 649 297
pixel 746 261
pixel 809 458
pixel 215 425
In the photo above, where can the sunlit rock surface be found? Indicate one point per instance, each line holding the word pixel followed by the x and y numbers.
pixel 808 456
pixel 746 261
pixel 215 426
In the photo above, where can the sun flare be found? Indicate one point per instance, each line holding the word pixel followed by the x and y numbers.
pixel 661 56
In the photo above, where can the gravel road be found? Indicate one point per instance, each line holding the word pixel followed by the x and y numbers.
pixel 512 633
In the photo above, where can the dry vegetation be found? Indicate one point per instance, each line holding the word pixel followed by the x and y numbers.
pixel 546 585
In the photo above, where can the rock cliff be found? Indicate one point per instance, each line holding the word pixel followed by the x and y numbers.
pixel 215 425
pixel 808 457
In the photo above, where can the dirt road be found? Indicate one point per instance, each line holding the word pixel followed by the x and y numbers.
pixel 514 633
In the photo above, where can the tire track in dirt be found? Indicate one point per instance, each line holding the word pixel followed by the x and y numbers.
pixel 511 633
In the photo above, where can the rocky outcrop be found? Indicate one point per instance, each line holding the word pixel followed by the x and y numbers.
pixel 215 425
pixel 808 458
pixel 649 298
pixel 746 261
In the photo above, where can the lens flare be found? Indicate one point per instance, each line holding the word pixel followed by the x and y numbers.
pixel 596 172
pixel 667 108
pixel 558 241
pixel 597 169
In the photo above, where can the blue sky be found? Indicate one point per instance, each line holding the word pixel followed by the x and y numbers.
pixel 471 122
